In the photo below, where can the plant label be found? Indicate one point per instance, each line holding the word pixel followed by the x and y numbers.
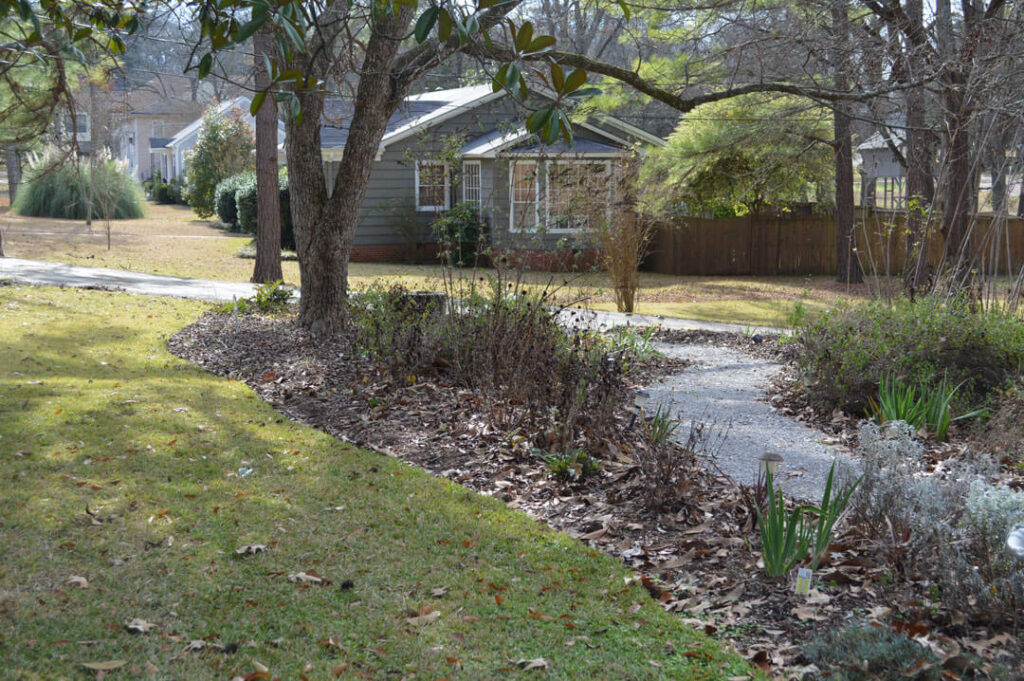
pixel 803 581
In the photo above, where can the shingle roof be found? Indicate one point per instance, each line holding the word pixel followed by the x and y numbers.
pixel 416 112
pixel 158 142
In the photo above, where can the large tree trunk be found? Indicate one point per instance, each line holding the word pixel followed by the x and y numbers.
pixel 920 185
pixel 325 228
pixel 849 271
pixel 268 209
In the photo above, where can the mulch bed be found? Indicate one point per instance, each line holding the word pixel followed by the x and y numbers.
pixel 695 555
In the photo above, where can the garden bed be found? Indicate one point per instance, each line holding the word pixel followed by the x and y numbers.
pixel 696 556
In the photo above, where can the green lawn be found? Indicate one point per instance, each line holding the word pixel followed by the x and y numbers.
pixel 120 466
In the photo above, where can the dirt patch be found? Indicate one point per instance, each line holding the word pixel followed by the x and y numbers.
pixel 695 555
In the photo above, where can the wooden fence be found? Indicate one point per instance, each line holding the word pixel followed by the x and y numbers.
pixel 807 245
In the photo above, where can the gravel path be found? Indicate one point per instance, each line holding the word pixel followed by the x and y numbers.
pixel 727 386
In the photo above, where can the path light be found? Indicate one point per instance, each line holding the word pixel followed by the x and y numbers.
pixel 640 401
pixel 769 463
pixel 1015 542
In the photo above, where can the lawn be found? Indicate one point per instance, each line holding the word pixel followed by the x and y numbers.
pixel 171 240
pixel 126 494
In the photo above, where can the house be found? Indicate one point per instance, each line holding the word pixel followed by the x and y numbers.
pixel 470 145
pixel 170 154
pixel 880 162
pixel 158 109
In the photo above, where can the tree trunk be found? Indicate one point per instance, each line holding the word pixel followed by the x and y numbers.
pixel 13 161
pixel 957 194
pixel 268 209
pixel 848 267
pixel 325 227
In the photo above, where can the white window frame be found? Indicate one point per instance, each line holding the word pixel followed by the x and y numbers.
pixel 447 186
pixel 479 201
pixel 547 192
pixel 512 194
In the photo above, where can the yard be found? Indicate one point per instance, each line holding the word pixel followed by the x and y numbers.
pixel 172 241
pixel 162 521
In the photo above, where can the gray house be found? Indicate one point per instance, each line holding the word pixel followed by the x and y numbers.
pixel 469 145
pixel 878 162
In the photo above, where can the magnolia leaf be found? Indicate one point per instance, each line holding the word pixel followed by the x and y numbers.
pixel 425 23
pixel 80 582
pixel 535 663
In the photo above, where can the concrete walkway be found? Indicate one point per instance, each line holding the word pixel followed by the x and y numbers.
pixel 57 274
pixel 727 387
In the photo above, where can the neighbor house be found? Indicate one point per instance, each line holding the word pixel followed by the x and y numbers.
pixel 171 154
pixel 470 145
pixel 879 161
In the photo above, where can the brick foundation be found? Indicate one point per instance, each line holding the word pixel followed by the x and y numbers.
pixel 426 254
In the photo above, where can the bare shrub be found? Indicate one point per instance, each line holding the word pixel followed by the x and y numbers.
pixel 507 345
pixel 623 242
pixel 665 461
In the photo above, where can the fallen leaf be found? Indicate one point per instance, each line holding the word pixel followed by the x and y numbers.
pixel 421 620
pixel 439 591
pixel 250 549
pixel 80 582
pixel 805 613
pixel 306 578
pixel 260 667
pixel 535 663
pixel 139 626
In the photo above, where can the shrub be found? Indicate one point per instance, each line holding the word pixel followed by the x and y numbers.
pixel 270 298
pixel 224 148
pixel 224 196
pixel 664 462
pixel 458 232
pixel 951 531
pixel 847 350
pixel 872 653
pixel 62 191
pixel 246 206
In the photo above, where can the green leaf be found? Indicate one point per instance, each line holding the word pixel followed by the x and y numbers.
pixel 511 76
pixel 524 36
pixel 625 9
pixel 472 25
pixel 574 80
pixel 584 92
pixel 293 34
pixel 257 101
pixel 444 25
pixel 425 23
pixel 557 77
pixel 541 43
pixel 82 34
pixel 205 64
pixel 247 30
pixel 539 119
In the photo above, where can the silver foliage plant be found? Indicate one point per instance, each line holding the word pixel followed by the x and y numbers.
pixel 948 527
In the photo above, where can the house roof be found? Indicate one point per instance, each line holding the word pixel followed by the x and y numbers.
pixel 170 107
pixel 579 146
pixel 878 141
pixel 417 112
pixel 420 112
pixel 193 127
pixel 158 142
